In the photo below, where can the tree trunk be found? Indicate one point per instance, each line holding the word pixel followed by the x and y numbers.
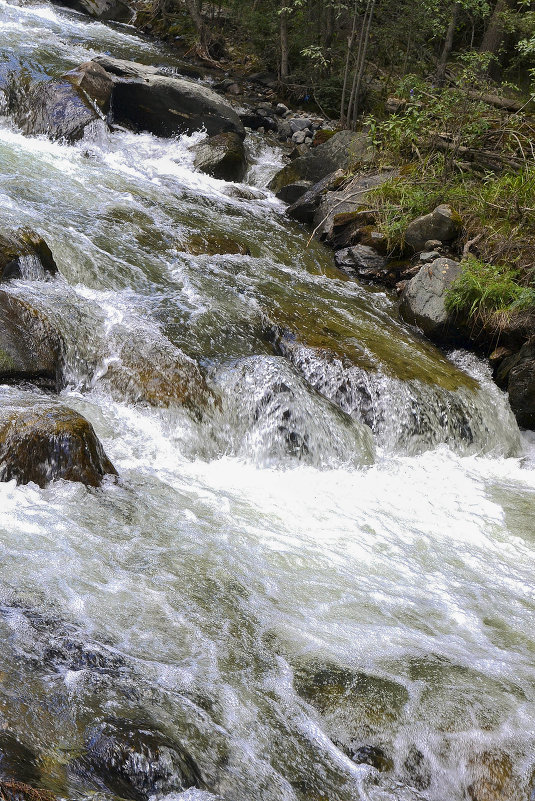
pixel 284 68
pixel 448 45
pixel 494 32
pixel 361 62
pixel 350 43
pixel 196 18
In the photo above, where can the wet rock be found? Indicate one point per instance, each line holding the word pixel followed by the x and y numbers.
pixel 340 152
pixel 304 208
pixel 25 254
pixel 423 300
pixel 516 373
pixel 17 761
pixel 41 444
pixel 18 791
pixel 109 10
pixel 157 373
pixel 30 347
pixel 245 193
pixel 222 156
pixel 362 261
pixel 443 224
pixel 493 778
pixel 92 79
pixel 372 755
pixel 55 108
pixel 135 760
pixel 145 100
pixel 416 769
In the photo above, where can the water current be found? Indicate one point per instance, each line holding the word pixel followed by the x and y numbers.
pixel 338 553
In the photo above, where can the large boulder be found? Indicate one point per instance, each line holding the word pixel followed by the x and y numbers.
pixel 41 443
pixel 222 156
pixel 442 224
pixel 55 108
pixel 342 151
pixel 110 10
pixel 423 300
pixel 30 346
pixel 145 100
pixel 25 254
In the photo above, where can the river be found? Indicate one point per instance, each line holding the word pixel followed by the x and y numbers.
pixel 340 554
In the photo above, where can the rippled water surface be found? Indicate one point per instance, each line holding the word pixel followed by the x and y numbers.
pixel 337 553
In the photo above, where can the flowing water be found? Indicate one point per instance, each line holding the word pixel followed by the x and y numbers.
pixel 336 552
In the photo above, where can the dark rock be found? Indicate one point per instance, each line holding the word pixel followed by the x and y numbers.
pixel 442 224
pixel 281 109
pixel 17 761
pixel 145 100
pixel 222 156
pixel 25 254
pixel 341 151
pixel 517 374
pixel 372 755
pixel 284 130
pixel 417 769
pixel 361 261
pixel 92 79
pixel 57 109
pixel 423 300
pixel 30 347
pixel 42 443
pixel 292 192
pixel 135 760
pixel 305 207
pixel 110 10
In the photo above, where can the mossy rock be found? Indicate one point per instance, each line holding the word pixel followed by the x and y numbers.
pixel 159 374
pixel 16 247
pixel 42 443
pixel 322 136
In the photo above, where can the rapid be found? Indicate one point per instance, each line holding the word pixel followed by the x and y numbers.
pixel 338 554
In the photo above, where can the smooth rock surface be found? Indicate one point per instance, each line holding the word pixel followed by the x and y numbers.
pixel 55 108
pixel 361 261
pixel 423 299
pixel 442 224
pixel 25 254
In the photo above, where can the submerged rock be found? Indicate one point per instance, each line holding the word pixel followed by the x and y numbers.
pixel 423 300
pixel 25 254
pixel 493 778
pixel 30 347
pixel 134 760
pixel 221 156
pixel 372 755
pixel 442 225
pixel 41 444
pixel 158 373
pixel 17 761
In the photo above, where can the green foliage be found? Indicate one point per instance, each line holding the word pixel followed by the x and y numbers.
pixel 483 287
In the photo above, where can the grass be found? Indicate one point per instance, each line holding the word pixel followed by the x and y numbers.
pixel 483 287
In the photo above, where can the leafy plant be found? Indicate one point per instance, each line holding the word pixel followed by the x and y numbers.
pixel 483 287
